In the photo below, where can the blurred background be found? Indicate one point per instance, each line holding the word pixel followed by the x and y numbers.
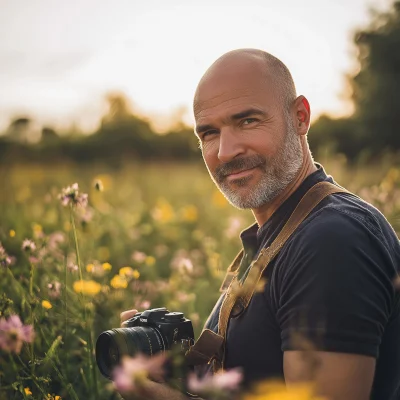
pixel 99 93
pixel 83 81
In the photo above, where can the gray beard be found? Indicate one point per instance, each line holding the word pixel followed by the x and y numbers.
pixel 277 174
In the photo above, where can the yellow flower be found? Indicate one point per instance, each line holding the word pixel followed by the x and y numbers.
pixel 189 213
pixel 106 266
pixel 46 304
pixel 89 268
pixel 275 390
pixel 119 282
pixel 51 397
pixel 90 288
pixel 163 212
pixel 28 391
pixel 126 271
pixel 219 200
pixel 12 233
pixel 37 228
pixel 135 274
pixel 149 261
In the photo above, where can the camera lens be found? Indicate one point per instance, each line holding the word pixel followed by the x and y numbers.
pixel 112 345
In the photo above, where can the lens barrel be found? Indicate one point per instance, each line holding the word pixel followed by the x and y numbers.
pixel 112 345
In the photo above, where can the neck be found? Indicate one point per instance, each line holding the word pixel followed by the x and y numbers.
pixel 264 213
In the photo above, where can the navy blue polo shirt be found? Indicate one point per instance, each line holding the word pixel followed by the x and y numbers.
pixel 330 286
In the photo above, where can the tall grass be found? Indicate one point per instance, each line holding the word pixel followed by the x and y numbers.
pixel 157 235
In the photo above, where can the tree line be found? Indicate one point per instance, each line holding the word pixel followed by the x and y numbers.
pixel 371 131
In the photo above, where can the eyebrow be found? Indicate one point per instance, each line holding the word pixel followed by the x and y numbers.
pixel 248 113
pixel 203 128
pixel 234 117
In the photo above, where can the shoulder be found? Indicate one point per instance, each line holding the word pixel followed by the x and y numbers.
pixel 344 220
pixel 344 238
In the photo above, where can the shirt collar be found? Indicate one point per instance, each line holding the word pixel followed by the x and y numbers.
pixel 252 235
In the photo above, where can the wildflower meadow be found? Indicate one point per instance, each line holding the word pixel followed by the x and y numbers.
pixel 79 245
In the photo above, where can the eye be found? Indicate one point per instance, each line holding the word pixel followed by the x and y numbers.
pixel 248 121
pixel 208 133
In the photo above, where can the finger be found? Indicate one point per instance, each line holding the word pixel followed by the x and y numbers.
pixel 127 314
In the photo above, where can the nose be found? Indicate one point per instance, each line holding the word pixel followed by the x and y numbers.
pixel 230 145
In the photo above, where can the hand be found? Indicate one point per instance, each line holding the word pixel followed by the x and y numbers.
pixel 127 314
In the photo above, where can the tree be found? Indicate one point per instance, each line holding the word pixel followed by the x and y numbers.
pixel 376 87
pixel 373 129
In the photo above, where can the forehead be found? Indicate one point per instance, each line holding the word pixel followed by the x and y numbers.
pixel 230 91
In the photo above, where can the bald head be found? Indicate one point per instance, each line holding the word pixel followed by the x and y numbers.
pixel 242 63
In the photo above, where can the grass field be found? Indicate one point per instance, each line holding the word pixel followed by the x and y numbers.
pixel 154 235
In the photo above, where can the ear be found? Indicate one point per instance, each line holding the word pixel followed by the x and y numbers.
pixel 303 115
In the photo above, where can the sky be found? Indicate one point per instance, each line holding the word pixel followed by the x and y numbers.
pixel 58 59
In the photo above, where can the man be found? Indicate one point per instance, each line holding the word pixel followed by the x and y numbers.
pixel 331 285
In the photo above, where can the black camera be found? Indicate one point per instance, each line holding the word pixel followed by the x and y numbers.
pixel 148 332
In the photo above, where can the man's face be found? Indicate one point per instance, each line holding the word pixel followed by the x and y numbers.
pixel 248 140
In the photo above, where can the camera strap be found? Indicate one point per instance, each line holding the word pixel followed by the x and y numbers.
pixel 210 346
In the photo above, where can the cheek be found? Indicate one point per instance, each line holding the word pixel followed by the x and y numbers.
pixel 210 158
pixel 210 151
pixel 264 144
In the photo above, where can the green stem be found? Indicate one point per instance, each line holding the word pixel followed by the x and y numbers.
pixel 93 367
pixel 31 275
pixel 13 363
pixel 32 271
pixel 20 287
pixel 87 328
pixel 40 389
pixel 66 312
pixel 67 385
pixel 78 258
pixel 20 380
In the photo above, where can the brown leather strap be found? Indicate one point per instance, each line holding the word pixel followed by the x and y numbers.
pixel 205 348
pixel 232 271
pixel 244 293
pixel 212 346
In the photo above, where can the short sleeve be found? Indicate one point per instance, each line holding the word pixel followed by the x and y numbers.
pixel 334 286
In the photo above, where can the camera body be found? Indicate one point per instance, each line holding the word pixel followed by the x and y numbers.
pixel 148 332
pixel 173 327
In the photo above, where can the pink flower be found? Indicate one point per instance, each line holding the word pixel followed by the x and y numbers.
pixel 72 266
pixel 133 372
pixel 233 228
pixel 182 263
pixel 54 289
pixel 138 256
pixel 52 249
pixel 54 240
pixel 28 245
pixel 5 259
pixel 13 333
pixel 144 305
pixel 217 383
pixel 184 297
pixel 71 196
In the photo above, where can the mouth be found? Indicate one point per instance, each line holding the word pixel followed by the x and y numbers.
pixel 240 174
